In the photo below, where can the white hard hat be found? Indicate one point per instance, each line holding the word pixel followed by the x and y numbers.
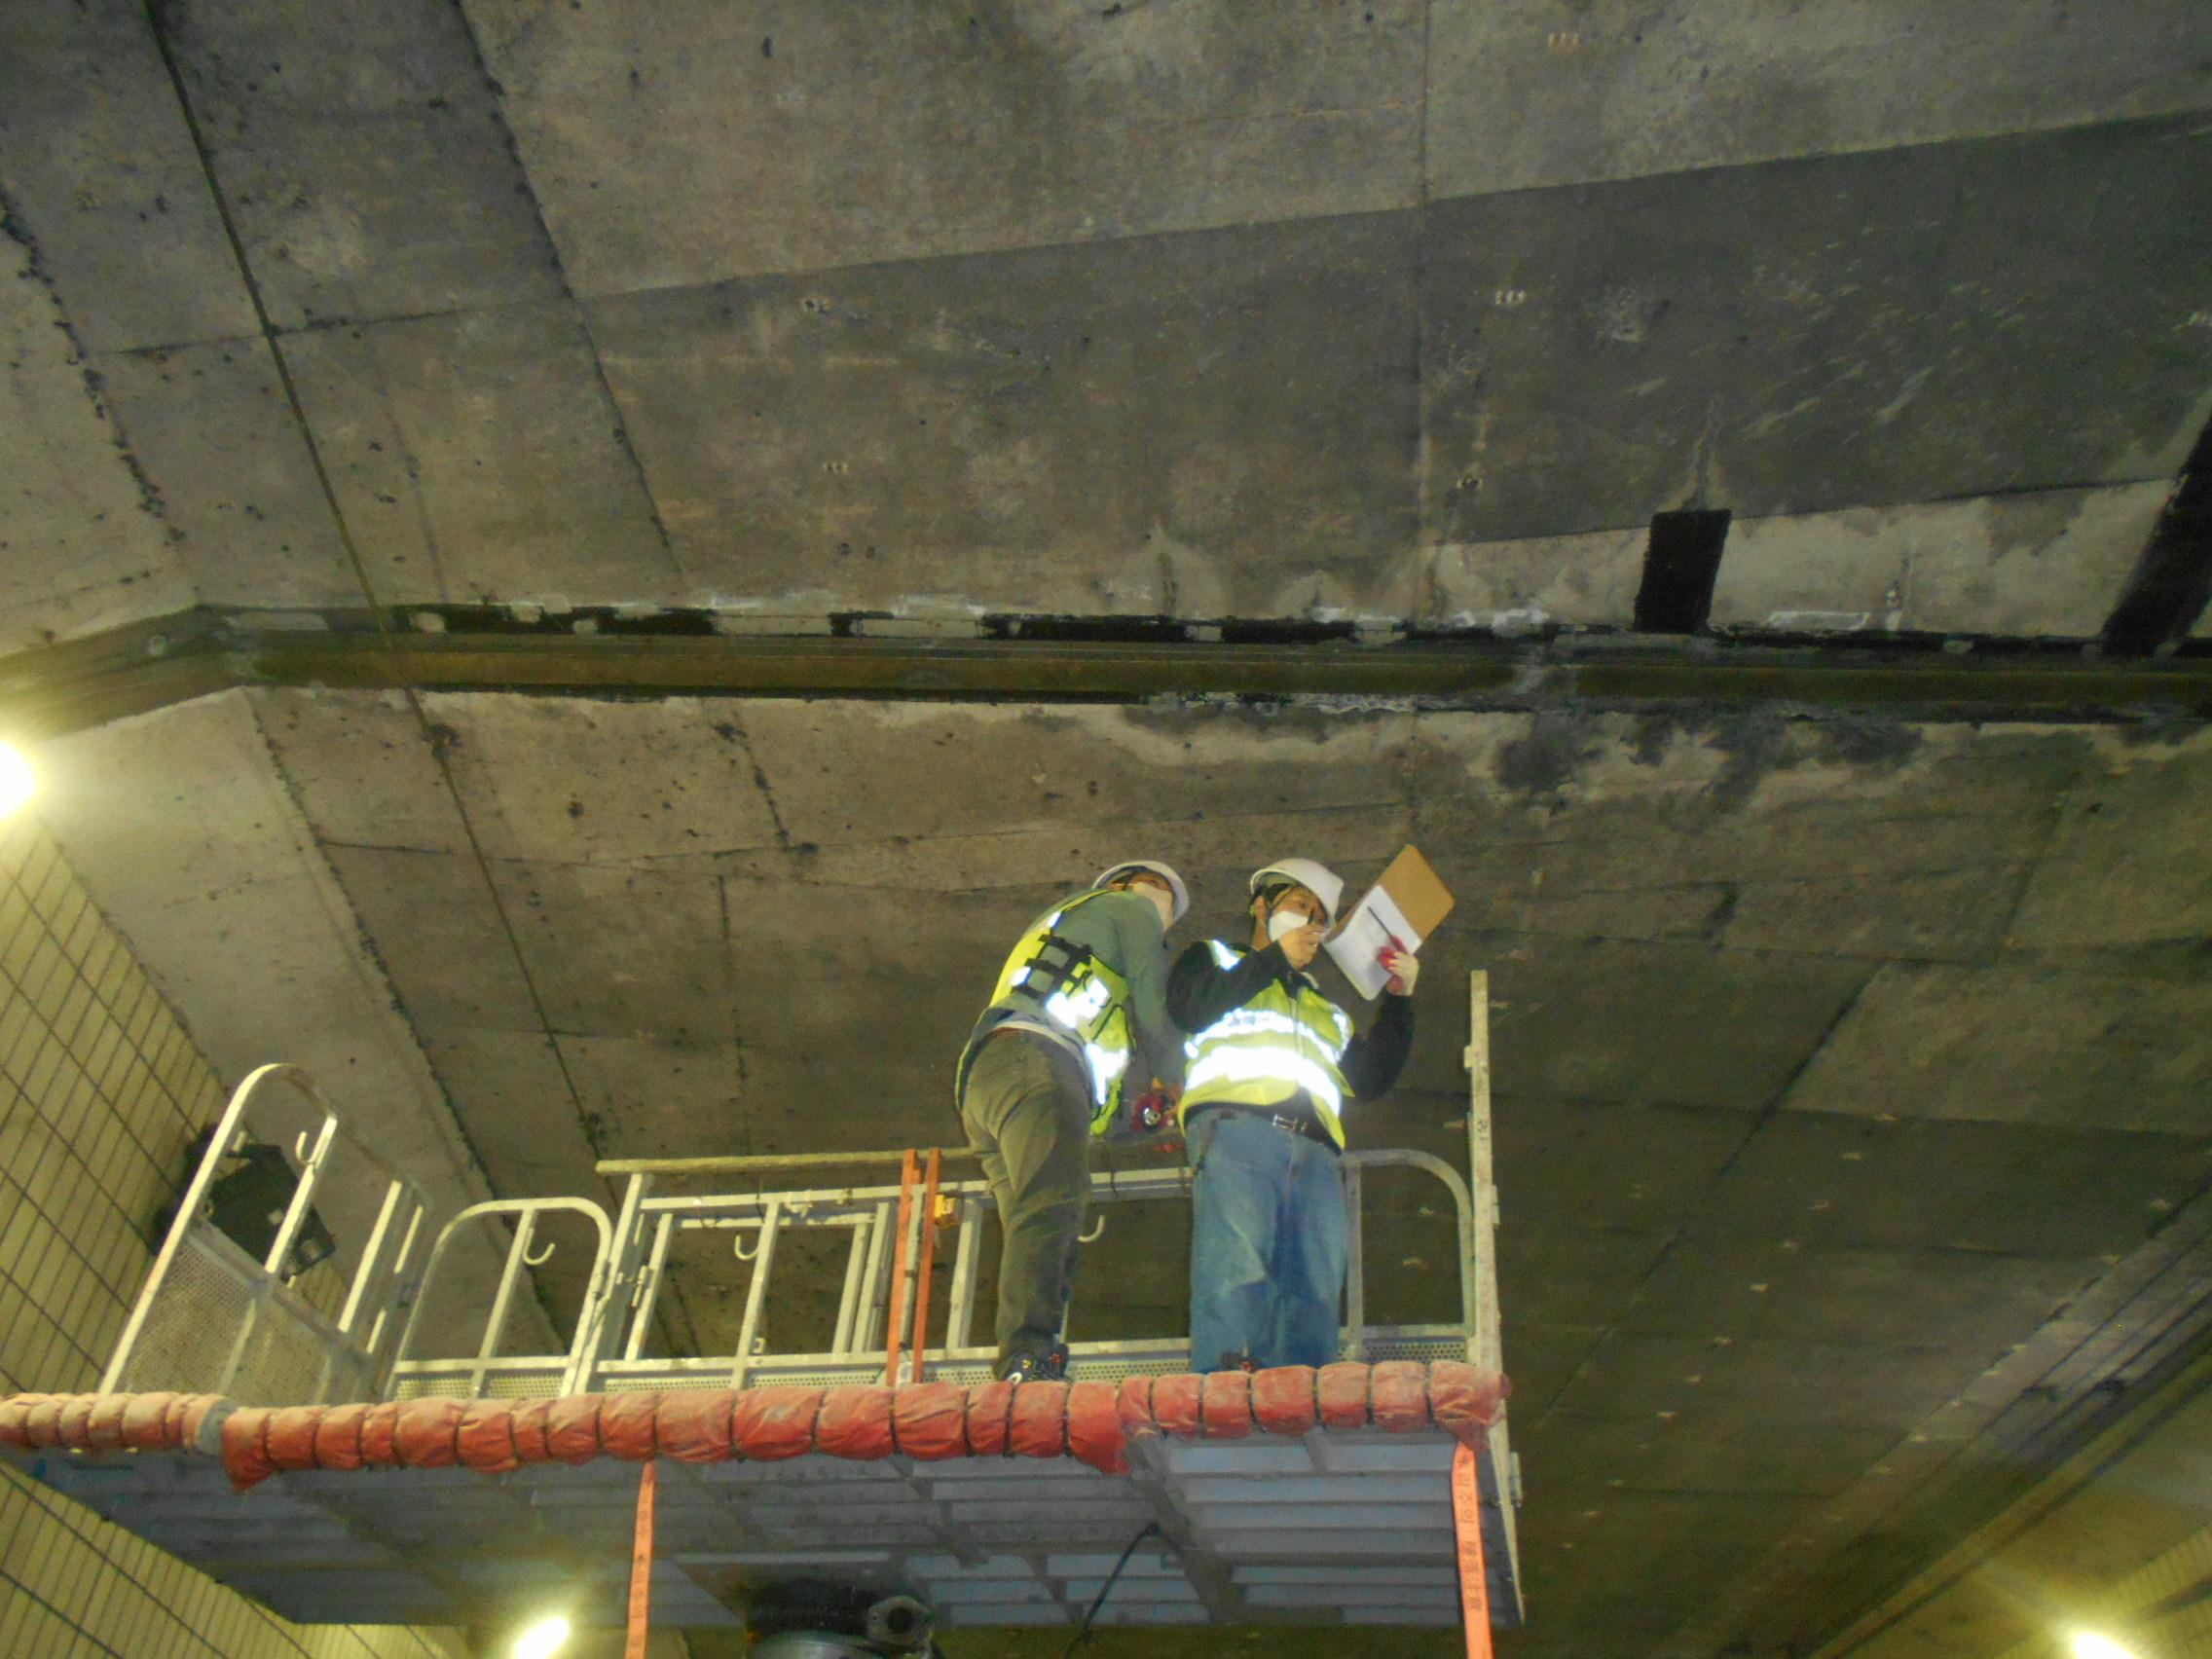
pixel 1151 866
pixel 1319 880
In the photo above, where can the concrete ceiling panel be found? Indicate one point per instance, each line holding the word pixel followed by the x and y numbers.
pixel 1083 779
pixel 82 546
pixel 476 456
pixel 438 933
pixel 1866 351
pixel 620 952
pixel 357 763
pixel 1766 1379
pixel 655 1097
pixel 212 427
pixel 1564 1270
pixel 1930 915
pixel 643 785
pixel 1839 839
pixel 1541 1360
pixel 2014 1189
pixel 1658 1024
pixel 101 170
pixel 1647 1452
pixel 1587 580
pixel 1213 853
pixel 695 141
pixel 2127 865
pixel 508 1090
pixel 2021 1044
pixel 364 158
pixel 1200 425
pixel 1634 1166
pixel 1624 1569
pixel 1736 1289
pixel 848 1041
pixel 1627 88
pixel 1052 769
pixel 2048 563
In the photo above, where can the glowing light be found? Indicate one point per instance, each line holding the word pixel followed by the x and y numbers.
pixel 2090 1645
pixel 542 1639
pixel 16 784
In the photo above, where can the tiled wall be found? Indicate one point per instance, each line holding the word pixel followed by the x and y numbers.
pixel 101 1090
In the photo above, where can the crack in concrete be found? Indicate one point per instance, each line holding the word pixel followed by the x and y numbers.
pixel 16 231
pixel 621 428
pixel 734 732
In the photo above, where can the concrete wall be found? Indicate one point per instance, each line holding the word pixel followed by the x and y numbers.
pixel 101 1090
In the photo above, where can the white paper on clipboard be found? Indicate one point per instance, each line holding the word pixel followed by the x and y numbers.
pixel 1374 924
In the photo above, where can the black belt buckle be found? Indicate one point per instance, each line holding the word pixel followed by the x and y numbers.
pixel 1292 1123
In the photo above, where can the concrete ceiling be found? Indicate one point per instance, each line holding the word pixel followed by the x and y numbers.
pixel 1854 1073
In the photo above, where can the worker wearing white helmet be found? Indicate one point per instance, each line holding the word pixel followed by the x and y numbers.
pixel 1272 1064
pixel 1078 1013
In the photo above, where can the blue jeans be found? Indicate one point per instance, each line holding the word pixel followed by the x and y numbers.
pixel 1267 1245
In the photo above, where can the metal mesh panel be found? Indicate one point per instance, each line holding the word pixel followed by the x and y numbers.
pixel 498 1385
pixel 670 1381
pixel 194 1326
pixel 431 1388
pixel 525 1385
pixel 1425 1348
pixel 285 1362
pixel 191 1326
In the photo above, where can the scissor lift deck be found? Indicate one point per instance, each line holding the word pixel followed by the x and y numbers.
pixel 1337 1526
pixel 1259 1518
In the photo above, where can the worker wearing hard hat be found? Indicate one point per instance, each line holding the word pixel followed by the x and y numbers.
pixel 1273 1063
pixel 1079 1011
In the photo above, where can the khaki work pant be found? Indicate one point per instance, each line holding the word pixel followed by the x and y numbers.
pixel 1027 1111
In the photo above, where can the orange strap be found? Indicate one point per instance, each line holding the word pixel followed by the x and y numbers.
pixel 1474 1579
pixel 895 1325
pixel 641 1565
pixel 929 1255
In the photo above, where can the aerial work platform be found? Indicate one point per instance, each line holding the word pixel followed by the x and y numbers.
pixel 277 1414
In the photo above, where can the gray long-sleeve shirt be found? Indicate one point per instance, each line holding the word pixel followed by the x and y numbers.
pixel 1123 930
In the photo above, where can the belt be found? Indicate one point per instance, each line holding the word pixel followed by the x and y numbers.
pixel 1297 1124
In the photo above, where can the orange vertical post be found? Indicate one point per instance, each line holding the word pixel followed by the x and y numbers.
pixel 641 1565
pixel 1474 1576
pixel 894 1327
pixel 929 1258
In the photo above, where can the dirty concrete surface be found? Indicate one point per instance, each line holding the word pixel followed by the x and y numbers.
pixel 1846 1067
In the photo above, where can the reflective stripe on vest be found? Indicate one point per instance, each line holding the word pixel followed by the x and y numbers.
pixel 1090 1003
pixel 1276 1045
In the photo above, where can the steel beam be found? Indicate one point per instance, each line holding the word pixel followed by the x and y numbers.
pixel 71 686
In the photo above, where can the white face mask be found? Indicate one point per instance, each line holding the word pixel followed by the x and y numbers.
pixel 1164 903
pixel 1287 922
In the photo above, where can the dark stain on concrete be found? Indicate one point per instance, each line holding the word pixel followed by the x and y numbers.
pixel 1755 746
pixel 1649 737
pixel 1861 741
pixel 1542 764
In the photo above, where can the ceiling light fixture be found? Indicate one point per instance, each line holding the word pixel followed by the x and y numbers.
pixel 17 783
pixel 542 1639
pixel 2090 1644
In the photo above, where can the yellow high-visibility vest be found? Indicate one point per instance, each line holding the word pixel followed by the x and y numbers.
pixel 1064 983
pixel 1283 1041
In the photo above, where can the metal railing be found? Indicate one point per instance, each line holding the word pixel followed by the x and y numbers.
pixel 874 1299
pixel 486 1369
pixel 883 1324
pixel 214 1316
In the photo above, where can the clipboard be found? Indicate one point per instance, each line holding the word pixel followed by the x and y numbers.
pixel 1404 907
